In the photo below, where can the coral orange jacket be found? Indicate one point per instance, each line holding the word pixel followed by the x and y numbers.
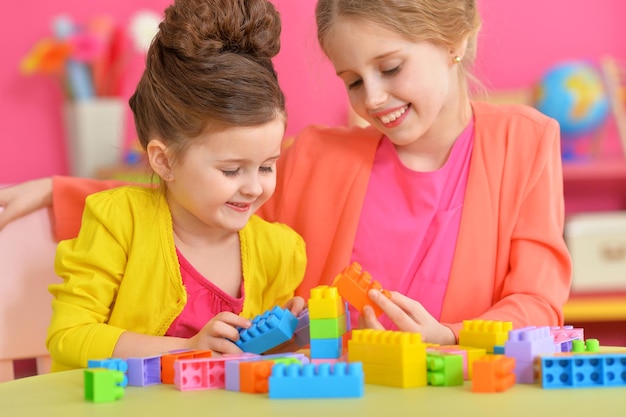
pixel 510 263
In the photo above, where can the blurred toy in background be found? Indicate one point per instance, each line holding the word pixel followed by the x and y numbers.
pixel 134 154
pixel 90 58
pixel 614 71
pixel 573 93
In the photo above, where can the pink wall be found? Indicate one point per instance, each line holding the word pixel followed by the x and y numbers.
pixel 519 41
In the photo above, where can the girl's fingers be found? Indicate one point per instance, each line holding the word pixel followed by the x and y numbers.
pixel 233 319
pixel 398 309
pixel 295 305
pixel 368 319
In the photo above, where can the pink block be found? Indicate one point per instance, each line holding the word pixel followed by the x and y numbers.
pixel 567 333
pixel 202 373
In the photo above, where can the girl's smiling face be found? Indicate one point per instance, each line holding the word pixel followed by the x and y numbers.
pixel 225 177
pixel 407 90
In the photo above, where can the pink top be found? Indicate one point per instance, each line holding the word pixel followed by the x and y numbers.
pixel 204 301
pixel 408 227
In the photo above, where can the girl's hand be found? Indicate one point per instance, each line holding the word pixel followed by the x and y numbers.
pixel 219 333
pixel 295 305
pixel 408 315
pixel 24 198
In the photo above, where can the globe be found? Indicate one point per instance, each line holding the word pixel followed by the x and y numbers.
pixel 573 93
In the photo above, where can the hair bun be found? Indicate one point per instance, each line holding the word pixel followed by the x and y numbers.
pixel 250 27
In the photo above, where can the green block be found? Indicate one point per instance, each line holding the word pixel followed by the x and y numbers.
pixel 444 369
pixel 327 328
pixel 103 385
pixel 286 360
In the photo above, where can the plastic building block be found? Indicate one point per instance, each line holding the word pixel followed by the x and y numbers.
pixel 302 333
pixel 444 369
pixel 268 330
pixel 399 376
pixel 564 336
pixel 561 333
pixel 353 285
pixel 391 358
pixel 589 345
pixel 114 364
pixel 330 348
pixel 343 358
pixel 563 345
pixel 143 372
pixel 484 333
pixel 167 362
pixel 232 369
pixel 525 345
pixel 103 385
pixel 583 370
pixel 327 328
pixel 253 376
pixel 325 303
pixel 341 380
pixel 454 351
pixel 473 354
pixel 199 374
pixel 493 373
pixel 204 373
pixel 386 347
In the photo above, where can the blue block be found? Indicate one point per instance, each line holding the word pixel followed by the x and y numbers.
pixel 341 380
pixel 331 348
pixel 231 367
pixel 583 370
pixel 268 330
pixel 113 364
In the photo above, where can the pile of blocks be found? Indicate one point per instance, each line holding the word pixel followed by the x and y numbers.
pixel 336 362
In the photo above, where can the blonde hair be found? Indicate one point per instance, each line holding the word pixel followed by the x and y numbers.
pixel 444 23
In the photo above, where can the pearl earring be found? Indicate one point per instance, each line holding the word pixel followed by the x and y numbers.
pixel 457 59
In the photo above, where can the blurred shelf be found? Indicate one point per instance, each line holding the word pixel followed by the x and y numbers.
pixel 590 308
pixel 598 170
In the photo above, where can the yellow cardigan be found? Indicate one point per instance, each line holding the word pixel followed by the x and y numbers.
pixel 122 273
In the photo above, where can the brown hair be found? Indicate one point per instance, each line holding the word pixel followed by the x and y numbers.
pixel 444 23
pixel 209 68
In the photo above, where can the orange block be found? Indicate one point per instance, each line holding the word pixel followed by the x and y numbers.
pixel 167 362
pixel 353 285
pixel 493 373
pixel 254 376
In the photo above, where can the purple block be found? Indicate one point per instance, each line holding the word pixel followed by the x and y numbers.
pixel 231 375
pixel 527 343
pixel 524 372
pixel 302 333
pixel 144 371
